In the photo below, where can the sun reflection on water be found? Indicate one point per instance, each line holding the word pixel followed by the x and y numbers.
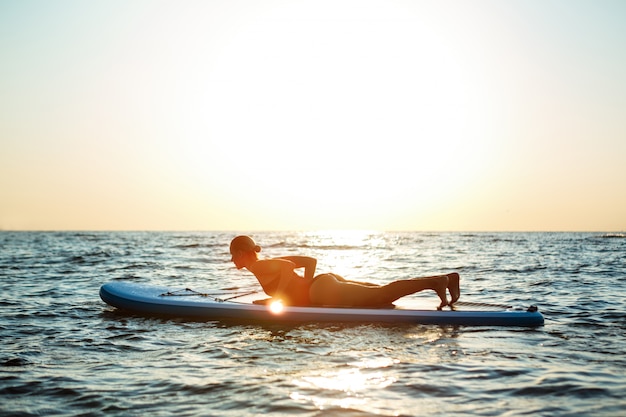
pixel 350 253
pixel 345 388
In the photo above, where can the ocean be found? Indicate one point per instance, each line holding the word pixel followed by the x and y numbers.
pixel 66 353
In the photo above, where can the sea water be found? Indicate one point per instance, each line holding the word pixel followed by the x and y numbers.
pixel 63 352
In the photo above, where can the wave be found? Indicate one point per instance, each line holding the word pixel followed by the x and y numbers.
pixel 613 236
pixel 288 245
pixel 199 245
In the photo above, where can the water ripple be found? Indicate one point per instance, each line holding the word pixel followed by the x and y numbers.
pixel 65 353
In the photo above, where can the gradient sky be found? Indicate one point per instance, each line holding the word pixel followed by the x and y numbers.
pixel 300 115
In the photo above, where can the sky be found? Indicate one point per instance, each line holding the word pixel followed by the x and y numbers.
pixel 313 115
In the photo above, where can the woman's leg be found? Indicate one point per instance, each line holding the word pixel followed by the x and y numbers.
pixel 328 289
pixel 366 284
pixel 454 286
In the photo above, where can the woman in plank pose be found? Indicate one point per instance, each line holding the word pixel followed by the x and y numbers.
pixel 279 280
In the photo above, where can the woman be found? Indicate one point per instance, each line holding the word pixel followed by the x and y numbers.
pixel 279 280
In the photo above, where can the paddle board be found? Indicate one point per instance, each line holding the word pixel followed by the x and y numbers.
pixel 224 305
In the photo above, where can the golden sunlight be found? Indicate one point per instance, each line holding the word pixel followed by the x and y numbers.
pixel 276 307
pixel 383 130
pixel 312 115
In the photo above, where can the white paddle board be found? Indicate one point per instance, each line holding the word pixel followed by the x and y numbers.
pixel 225 305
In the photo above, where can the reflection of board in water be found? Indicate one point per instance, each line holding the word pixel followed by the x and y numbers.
pixel 224 305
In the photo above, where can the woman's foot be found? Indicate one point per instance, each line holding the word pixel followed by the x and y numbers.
pixel 454 286
pixel 440 285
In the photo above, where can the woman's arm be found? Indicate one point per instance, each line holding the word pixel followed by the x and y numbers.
pixel 309 264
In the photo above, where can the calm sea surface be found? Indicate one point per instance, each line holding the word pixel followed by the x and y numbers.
pixel 64 352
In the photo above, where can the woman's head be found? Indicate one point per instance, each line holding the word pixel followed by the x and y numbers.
pixel 243 249
pixel 244 243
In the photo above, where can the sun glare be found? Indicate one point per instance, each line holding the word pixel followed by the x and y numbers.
pixel 312 115
pixel 276 307
pixel 341 119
